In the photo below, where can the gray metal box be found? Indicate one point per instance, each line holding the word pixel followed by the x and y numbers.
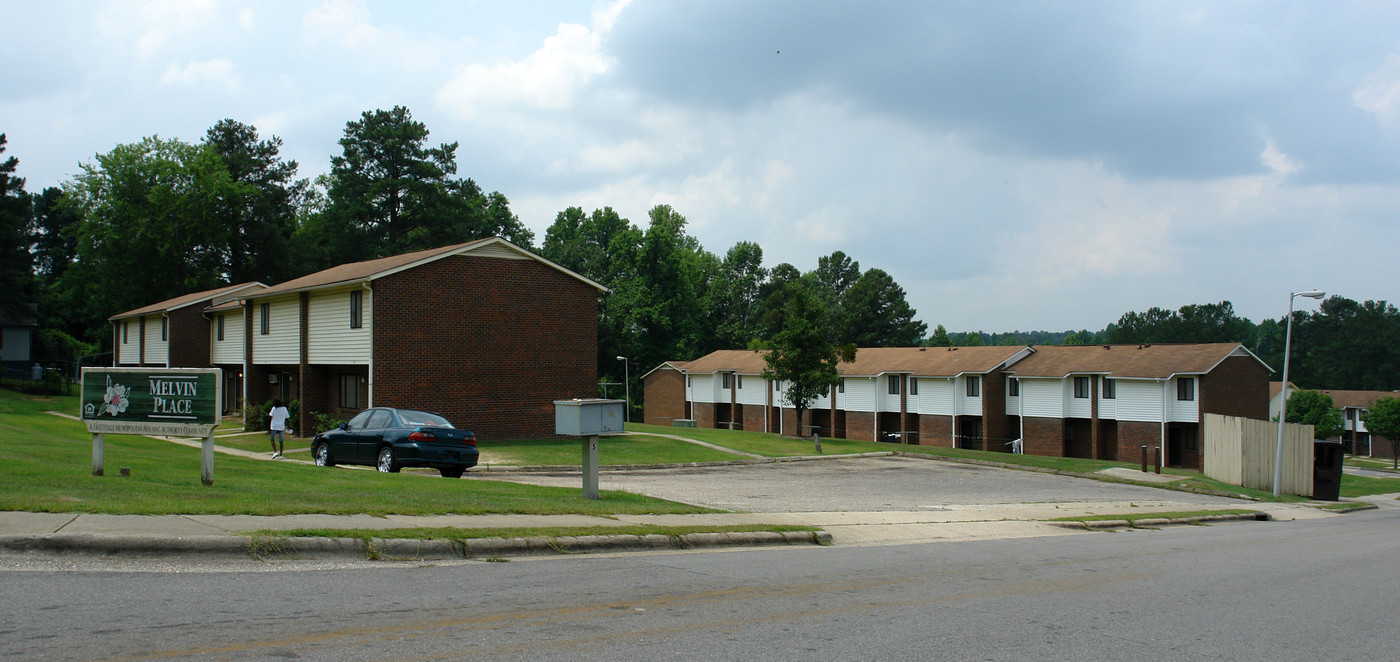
pixel 581 418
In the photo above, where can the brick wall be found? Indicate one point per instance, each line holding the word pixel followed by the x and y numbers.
pixel 1133 435
pixel 860 425
pixel 704 414
pixel 936 430
pixel 663 396
pixel 996 425
pixel 1239 386
pixel 490 343
pixel 1044 436
pixel 753 417
pixel 188 332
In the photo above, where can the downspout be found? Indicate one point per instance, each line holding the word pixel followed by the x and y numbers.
pixel 1162 434
pixel 369 387
pixel 1021 411
pixel 953 424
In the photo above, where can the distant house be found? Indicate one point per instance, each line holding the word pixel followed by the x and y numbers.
pixel 1354 405
pixel 175 333
pixel 1102 401
pixel 1113 401
pixel 484 333
pixel 17 339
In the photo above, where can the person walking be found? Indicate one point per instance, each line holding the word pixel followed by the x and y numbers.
pixel 277 427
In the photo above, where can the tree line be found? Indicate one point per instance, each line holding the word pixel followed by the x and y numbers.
pixel 159 218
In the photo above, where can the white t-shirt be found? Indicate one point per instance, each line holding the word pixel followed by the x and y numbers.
pixel 279 418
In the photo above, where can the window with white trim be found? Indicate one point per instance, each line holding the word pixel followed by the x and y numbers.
pixel 974 386
pixel 1110 388
pixel 1081 387
pixel 1186 388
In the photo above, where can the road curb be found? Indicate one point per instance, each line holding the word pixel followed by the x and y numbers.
pixel 1151 522
pixel 391 549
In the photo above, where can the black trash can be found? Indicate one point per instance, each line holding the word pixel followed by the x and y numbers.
pixel 1327 470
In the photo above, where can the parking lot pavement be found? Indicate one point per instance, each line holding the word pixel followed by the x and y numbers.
pixel 869 484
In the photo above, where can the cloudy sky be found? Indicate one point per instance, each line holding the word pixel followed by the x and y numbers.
pixel 1014 165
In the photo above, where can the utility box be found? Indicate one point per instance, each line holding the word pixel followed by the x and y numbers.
pixel 583 418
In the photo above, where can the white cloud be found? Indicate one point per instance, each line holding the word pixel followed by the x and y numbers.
pixel 211 73
pixel 1275 160
pixel 1379 93
pixel 548 79
pixel 156 23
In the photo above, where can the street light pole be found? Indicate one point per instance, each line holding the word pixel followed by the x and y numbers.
pixel 627 386
pixel 1283 403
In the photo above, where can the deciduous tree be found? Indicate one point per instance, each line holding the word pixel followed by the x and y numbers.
pixel 801 356
pixel 1382 418
pixel 1315 408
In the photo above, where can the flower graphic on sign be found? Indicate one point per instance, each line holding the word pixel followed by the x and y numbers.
pixel 115 402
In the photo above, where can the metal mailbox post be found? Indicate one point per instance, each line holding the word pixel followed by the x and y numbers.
pixel 587 419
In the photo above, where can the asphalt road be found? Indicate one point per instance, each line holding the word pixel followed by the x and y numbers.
pixel 1302 590
pixel 868 484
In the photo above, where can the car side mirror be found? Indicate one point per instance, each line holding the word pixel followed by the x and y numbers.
pixel 344 426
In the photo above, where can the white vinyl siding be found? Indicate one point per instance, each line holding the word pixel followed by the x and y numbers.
pixel 755 391
pixel 1013 402
pixel 1185 411
pixel 1108 407
pixel 702 388
pixel 329 338
pixel 229 351
pixel 157 350
pixel 1140 400
pixel 1042 398
pixel 969 405
pixel 129 337
pixel 935 397
pixel 860 394
pixel 282 344
pixel 889 402
pixel 1077 407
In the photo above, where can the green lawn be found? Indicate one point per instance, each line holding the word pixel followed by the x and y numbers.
pixel 619 450
pixel 47 464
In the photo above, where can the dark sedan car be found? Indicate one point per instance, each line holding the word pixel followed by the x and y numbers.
pixel 390 439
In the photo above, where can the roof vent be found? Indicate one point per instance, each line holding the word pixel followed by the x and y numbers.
pixel 1105 346
pixel 923 349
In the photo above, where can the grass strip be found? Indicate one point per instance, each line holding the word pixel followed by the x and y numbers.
pixel 455 533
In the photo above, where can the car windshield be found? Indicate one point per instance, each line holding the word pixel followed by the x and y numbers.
pixel 422 419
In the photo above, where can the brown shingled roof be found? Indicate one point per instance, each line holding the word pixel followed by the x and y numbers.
pixel 188 299
pixel 371 269
pixel 921 361
pixel 1154 361
pixel 1358 399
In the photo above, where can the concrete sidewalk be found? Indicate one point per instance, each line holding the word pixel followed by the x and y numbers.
pixel 230 535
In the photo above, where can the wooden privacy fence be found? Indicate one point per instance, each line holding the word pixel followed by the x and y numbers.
pixel 1240 451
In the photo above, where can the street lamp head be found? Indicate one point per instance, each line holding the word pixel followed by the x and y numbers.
pixel 622 358
pixel 1311 294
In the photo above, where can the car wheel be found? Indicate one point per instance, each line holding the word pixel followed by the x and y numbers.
pixel 454 472
pixel 387 463
pixel 322 455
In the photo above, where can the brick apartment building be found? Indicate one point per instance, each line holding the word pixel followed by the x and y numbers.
pixel 176 333
pixel 1104 402
pixel 484 333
